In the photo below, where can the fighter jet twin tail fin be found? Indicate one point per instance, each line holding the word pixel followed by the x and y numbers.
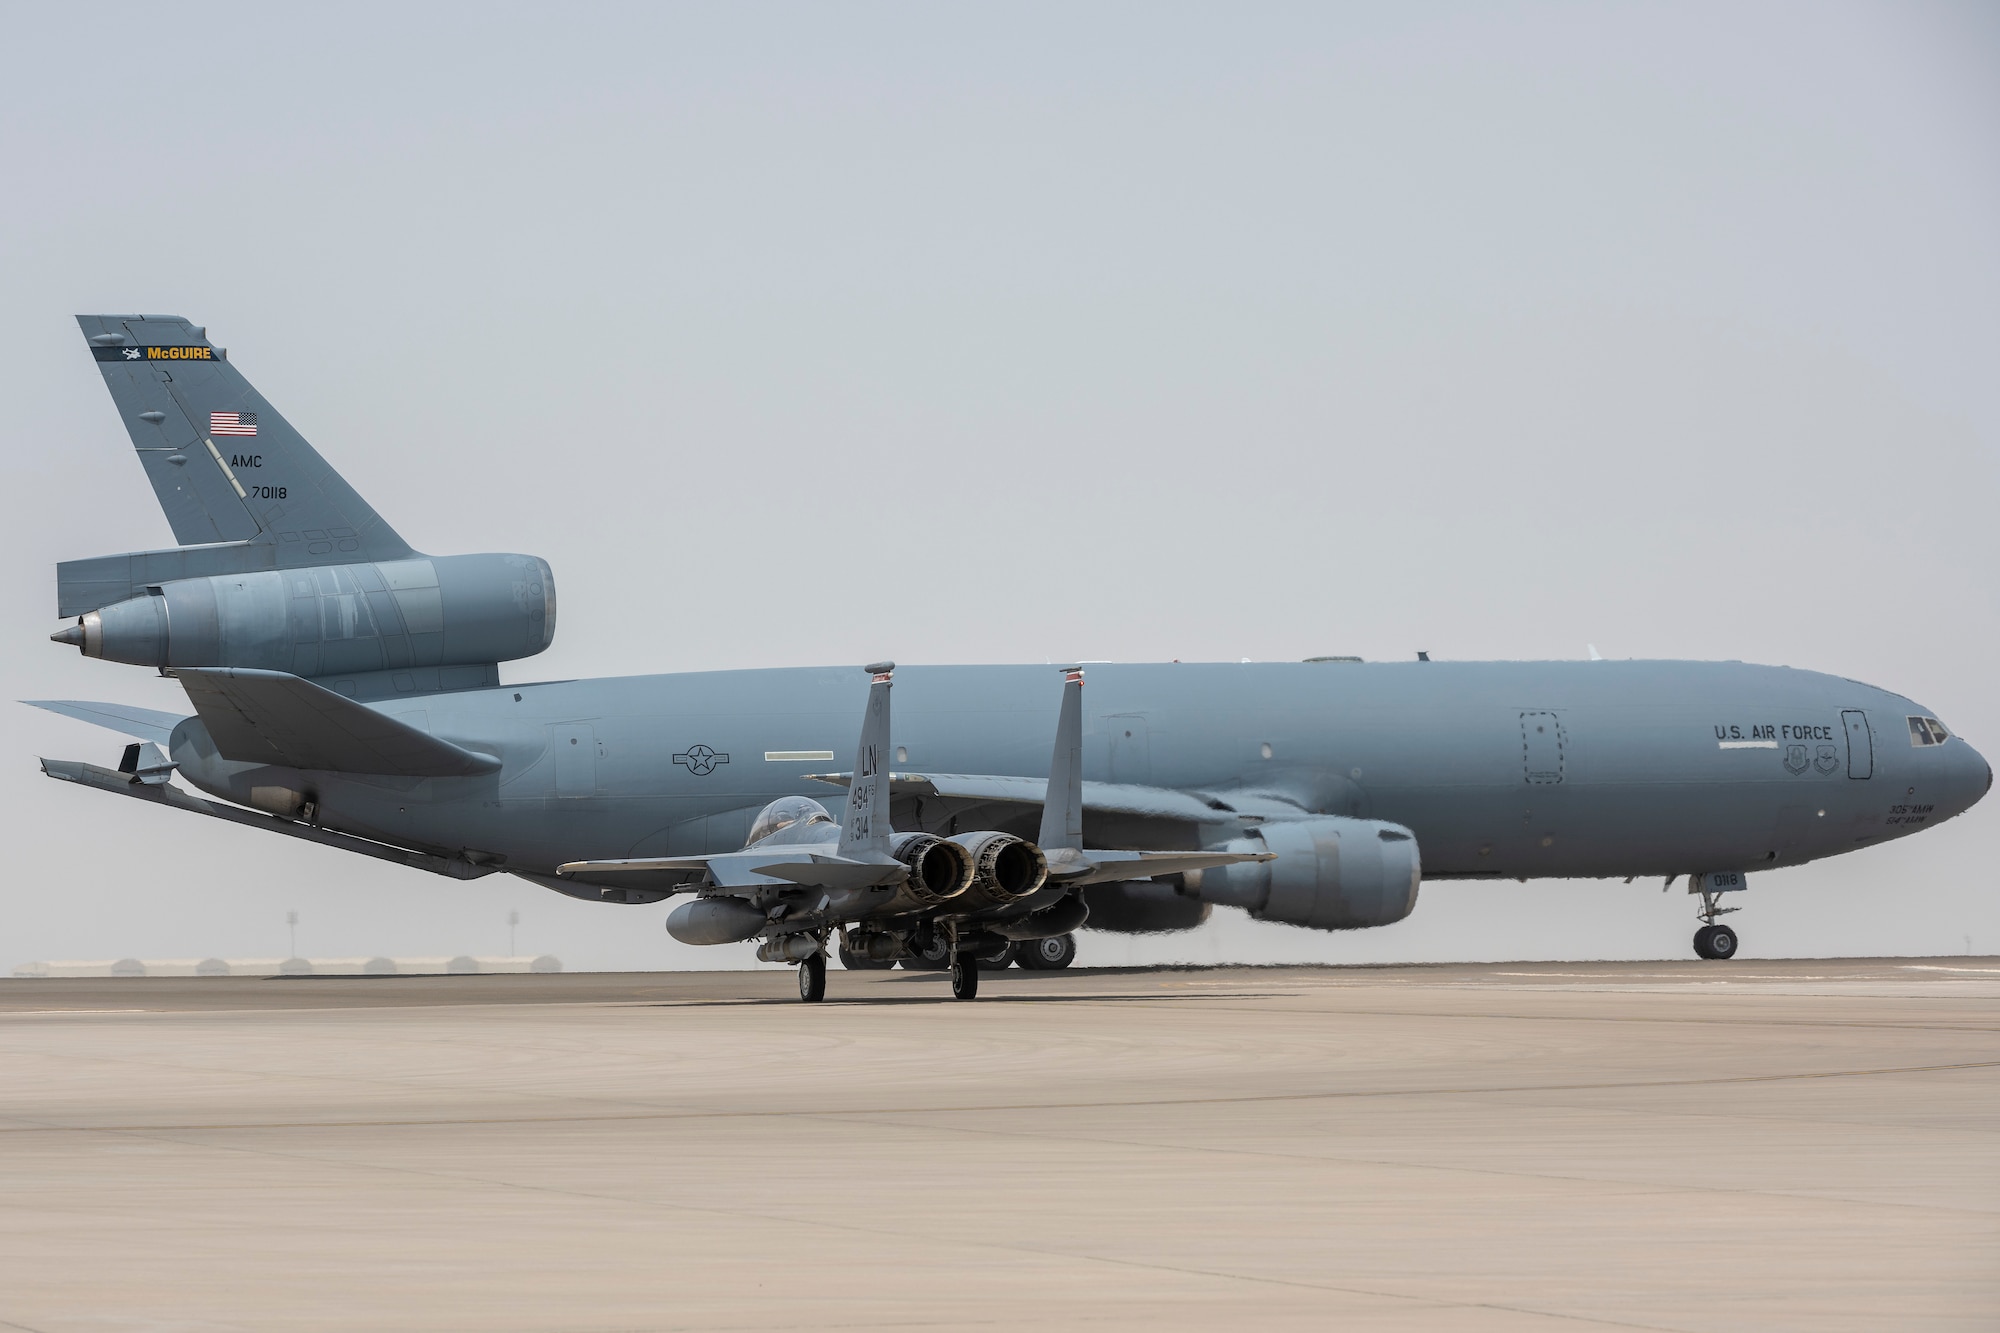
pixel 1062 815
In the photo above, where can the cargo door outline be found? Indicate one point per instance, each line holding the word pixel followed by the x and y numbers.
pixel 1860 744
pixel 575 747
pixel 1131 748
pixel 1543 749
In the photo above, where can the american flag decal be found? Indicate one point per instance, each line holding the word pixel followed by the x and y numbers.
pixel 232 423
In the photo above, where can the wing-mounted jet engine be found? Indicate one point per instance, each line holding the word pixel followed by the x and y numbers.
pixel 1329 873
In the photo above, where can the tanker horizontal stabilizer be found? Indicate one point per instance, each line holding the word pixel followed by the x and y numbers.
pixel 269 717
pixel 147 724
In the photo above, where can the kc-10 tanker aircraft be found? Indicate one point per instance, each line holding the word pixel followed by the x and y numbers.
pixel 346 690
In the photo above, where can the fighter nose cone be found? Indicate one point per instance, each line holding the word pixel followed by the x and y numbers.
pixel 72 635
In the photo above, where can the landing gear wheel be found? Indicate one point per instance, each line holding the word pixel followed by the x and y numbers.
pixel 997 961
pixel 812 979
pixel 964 977
pixel 855 962
pixel 1049 955
pixel 936 958
pixel 1717 942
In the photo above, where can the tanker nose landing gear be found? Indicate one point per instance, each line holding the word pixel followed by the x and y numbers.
pixel 1715 941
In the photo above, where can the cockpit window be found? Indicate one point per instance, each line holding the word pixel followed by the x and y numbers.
pixel 1927 731
pixel 785 812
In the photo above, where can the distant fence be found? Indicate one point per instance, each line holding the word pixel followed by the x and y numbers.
pixel 462 965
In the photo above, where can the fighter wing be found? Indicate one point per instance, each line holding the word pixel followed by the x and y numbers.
pixel 1077 868
pixel 753 868
pixel 270 717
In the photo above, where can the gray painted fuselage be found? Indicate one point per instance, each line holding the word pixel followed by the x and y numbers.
pixel 1501 769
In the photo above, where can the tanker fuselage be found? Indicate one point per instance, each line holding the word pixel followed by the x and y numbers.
pixel 1501 769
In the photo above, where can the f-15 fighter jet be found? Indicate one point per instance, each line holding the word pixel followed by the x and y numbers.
pixel 800 875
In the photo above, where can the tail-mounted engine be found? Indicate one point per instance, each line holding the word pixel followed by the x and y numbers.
pixel 333 619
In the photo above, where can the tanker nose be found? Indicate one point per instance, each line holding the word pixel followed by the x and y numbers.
pixel 1974 777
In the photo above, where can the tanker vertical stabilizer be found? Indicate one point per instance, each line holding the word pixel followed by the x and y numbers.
pixel 235 480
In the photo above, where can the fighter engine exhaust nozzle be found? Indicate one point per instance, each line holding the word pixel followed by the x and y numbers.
pixel 1005 868
pixel 939 870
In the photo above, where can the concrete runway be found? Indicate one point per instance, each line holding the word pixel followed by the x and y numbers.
pixel 1747 1145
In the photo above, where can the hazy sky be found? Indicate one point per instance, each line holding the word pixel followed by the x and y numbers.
pixel 1142 331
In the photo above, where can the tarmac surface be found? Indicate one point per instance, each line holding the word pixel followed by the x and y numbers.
pixel 1699 1146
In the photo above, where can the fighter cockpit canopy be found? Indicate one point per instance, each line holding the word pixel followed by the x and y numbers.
pixel 789 812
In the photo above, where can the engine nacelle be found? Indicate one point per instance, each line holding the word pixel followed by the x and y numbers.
pixel 939 870
pixel 1331 874
pixel 722 919
pixel 1005 869
pixel 1141 907
pixel 453 610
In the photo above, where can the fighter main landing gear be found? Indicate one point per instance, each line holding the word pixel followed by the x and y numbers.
pixel 812 978
pixel 1049 955
pixel 964 976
